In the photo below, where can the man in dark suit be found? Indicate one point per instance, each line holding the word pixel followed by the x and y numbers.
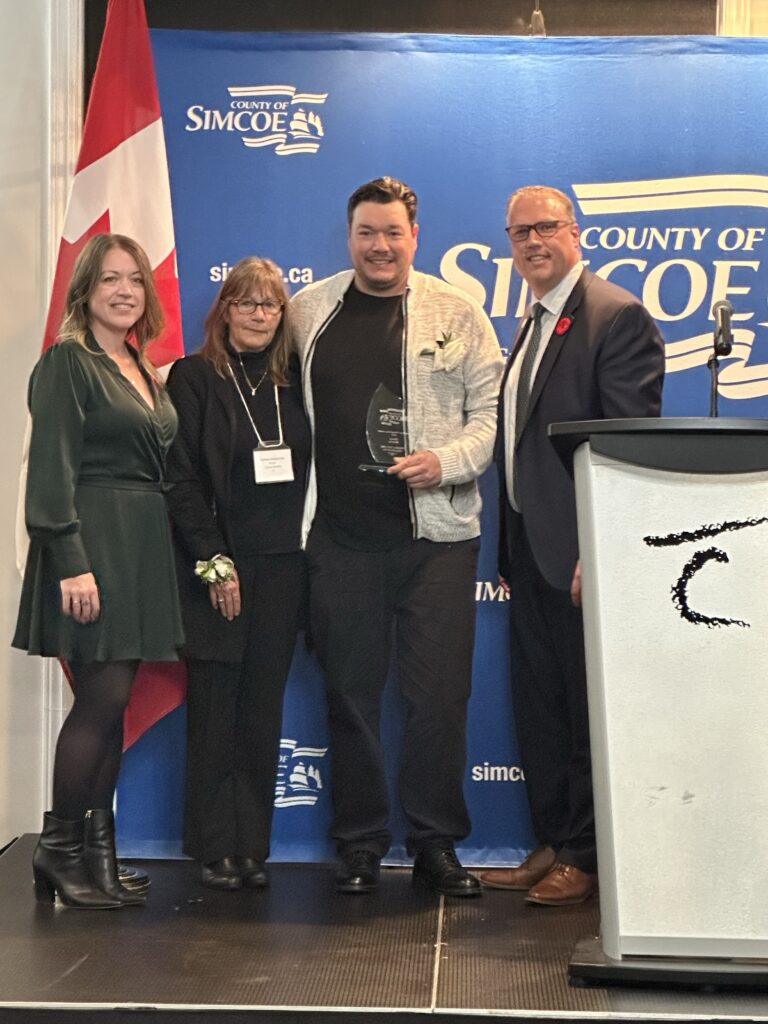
pixel 587 350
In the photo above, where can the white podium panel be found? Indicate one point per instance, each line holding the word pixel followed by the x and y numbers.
pixel 675 579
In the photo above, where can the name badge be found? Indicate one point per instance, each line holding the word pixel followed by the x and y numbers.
pixel 272 465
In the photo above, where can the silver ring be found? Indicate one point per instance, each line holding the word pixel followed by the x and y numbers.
pixel 220 600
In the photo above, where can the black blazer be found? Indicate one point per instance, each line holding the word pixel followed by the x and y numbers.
pixel 199 472
pixel 609 364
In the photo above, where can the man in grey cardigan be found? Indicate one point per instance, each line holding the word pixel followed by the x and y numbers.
pixel 401 375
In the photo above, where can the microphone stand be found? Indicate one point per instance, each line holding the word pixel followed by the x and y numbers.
pixel 714 365
pixel 722 347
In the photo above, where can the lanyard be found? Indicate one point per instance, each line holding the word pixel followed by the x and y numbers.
pixel 262 443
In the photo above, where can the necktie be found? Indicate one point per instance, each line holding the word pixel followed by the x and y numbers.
pixel 524 385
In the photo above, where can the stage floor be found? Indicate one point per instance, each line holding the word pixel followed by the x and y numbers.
pixel 298 949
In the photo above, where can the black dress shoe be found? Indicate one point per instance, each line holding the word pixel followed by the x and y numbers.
pixel 221 874
pixel 438 868
pixel 253 873
pixel 359 872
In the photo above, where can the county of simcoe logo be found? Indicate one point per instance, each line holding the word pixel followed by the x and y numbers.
pixel 681 245
pixel 684 244
pixel 276 116
pixel 299 774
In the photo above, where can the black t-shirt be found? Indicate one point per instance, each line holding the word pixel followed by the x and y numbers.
pixel 266 518
pixel 361 348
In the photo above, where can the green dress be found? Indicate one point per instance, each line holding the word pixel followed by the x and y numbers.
pixel 94 503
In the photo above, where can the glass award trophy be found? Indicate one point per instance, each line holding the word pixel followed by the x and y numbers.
pixel 384 430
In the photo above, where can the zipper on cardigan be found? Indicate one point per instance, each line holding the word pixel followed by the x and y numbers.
pixel 404 376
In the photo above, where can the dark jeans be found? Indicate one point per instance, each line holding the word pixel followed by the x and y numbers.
pixel 234 718
pixel 426 592
pixel 549 694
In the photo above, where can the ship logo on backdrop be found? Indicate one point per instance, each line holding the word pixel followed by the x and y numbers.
pixel 299 779
pixel 697 562
pixel 265 116
pixel 685 264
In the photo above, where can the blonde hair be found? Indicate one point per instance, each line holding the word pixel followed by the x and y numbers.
pixel 251 274
pixel 543 192
pixel 86 275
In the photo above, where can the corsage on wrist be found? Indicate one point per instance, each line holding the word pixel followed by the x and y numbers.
pixel 219 569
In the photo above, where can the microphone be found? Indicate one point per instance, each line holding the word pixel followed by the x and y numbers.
pixel 722 311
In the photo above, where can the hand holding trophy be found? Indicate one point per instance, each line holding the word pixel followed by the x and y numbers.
pixel 384 430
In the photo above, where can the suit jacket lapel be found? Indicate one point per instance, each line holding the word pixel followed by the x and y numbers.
pixel 556 341
pixel 520 336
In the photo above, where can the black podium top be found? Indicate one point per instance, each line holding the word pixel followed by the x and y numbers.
pixel 679 444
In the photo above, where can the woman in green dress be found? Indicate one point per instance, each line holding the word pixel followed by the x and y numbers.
pixel 99 587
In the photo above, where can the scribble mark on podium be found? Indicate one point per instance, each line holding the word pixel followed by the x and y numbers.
pixel 697 562
pixel 668 540
pixel 680 591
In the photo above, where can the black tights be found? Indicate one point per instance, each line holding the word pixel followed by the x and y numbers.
pixel 91 740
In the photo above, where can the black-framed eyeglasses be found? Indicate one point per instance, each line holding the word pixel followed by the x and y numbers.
pixel 543 228
pixel 269 307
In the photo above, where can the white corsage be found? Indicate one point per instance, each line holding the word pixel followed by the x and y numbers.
pixel 449 352
pixel 219 569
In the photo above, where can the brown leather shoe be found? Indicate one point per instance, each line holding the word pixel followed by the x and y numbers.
pixel 563 885
pixel 532 870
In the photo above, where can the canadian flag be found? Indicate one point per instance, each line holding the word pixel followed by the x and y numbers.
pixel 121 185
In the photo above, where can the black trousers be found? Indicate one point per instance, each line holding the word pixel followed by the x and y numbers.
pixel 549 693
pixel 425 591
pixel 234 718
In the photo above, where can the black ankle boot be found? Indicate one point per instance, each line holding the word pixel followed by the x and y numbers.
pixel 59 867
pixel 100 859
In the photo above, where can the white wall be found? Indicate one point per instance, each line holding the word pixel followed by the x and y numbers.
pixel 40 71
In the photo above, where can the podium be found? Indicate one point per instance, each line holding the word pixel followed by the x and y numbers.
pixel 673 540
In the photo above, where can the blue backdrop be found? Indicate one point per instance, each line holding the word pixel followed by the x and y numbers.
pixel 659 142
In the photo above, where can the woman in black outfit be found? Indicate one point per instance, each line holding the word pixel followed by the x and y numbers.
pixel 237 471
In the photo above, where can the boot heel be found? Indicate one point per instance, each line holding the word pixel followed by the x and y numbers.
pixel 58 868
pixel 45 890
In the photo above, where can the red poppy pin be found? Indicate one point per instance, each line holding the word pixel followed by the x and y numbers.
pixel 563 325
